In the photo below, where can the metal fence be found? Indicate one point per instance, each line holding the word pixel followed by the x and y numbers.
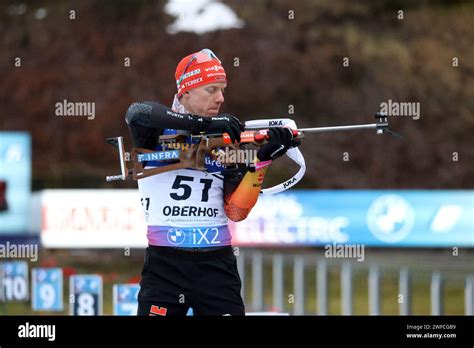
pixel 286 274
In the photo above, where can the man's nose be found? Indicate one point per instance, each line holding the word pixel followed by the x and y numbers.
pixel 220 97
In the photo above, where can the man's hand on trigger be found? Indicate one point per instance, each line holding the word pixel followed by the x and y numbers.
pixel 224 123
pixel 279 141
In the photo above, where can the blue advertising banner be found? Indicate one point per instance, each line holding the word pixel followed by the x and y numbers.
pixel 15 181
pixel 379 218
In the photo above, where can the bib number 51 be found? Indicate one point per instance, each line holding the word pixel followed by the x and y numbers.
pixel 180 183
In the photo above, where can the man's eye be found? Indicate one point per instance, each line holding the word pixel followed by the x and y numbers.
pixel 211 90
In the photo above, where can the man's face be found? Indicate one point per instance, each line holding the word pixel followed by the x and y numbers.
pixel 204 100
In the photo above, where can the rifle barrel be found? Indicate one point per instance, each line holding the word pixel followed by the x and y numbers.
pixel 339 128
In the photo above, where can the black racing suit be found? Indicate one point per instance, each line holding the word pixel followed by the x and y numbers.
pixel 176 278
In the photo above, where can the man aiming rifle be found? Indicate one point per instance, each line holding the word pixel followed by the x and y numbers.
pixel 189 261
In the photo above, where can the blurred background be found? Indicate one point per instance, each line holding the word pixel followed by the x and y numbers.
pixel 321 63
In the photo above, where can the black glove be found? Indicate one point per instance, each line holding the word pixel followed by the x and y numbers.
pixel 279 142
pixel 223 123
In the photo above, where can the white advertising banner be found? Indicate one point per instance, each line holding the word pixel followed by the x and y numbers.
pixel 92 219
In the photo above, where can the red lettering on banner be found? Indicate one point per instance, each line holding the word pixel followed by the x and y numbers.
pixel 80 218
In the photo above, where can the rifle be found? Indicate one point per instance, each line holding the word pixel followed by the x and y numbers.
pixel 193 155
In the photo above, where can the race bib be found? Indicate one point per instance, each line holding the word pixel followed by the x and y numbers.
pixel 183 205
